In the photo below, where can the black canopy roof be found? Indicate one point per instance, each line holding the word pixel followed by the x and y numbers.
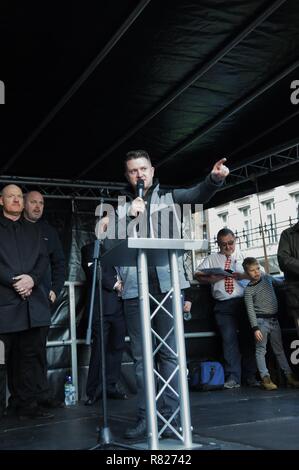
pixel 189 81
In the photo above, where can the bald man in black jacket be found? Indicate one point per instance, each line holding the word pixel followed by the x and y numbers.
pixel 24 307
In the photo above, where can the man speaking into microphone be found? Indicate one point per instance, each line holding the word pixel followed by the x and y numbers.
pixel 145 193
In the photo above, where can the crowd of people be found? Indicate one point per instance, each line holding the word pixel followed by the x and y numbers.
pixel 32 274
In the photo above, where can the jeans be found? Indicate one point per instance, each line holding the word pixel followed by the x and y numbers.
pixel 165 361
pixel 237 339
pixel 270 328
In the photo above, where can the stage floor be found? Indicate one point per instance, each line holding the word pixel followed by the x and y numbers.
pixel 240 419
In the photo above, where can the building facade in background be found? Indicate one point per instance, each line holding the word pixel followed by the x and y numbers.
pixel 254 218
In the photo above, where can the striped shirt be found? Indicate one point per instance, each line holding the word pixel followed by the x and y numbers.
pixel 260 299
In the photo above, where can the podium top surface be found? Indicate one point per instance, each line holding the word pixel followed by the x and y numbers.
pixel 124 252
pixel 168 244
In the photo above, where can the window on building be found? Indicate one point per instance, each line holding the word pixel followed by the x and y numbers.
pixel 246 234
pixel 223 216
pixel 204 225
pixel 295 197
pixel 270 227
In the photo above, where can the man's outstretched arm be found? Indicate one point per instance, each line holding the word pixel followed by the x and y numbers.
pixel 203 191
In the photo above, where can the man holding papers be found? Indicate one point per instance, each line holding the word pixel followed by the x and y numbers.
pixel 223 270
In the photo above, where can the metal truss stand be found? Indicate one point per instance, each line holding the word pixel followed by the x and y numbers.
pixel 159 252
pixel 183 436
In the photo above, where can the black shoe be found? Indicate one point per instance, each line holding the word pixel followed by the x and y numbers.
pixel 138 431
pixel 91 401
pixel 10 410
pixel 252 382
pixel 51 403
pixel 33 412
pixel 117 395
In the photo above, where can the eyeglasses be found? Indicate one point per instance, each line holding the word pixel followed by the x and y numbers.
pixel 224 244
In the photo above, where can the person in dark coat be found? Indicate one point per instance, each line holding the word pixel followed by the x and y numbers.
pixel 24 308
pixel 288 260
pixel 114 330
pixel 54 279
pixel 52 283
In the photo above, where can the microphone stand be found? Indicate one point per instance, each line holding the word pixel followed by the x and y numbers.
pixel 104 433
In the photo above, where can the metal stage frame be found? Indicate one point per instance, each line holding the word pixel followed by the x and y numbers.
pixel 256 166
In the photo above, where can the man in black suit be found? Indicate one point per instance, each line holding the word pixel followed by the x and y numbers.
pixel 24 307
pixel 52 283
pixel 114 330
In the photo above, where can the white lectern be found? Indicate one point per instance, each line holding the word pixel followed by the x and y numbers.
pixel 145 252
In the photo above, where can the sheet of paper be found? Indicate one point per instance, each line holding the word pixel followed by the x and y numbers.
pixel 216 271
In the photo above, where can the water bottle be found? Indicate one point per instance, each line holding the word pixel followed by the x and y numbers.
pixel 69 392
pixel 187 316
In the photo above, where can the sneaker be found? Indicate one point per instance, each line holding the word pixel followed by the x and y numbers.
pixel 267 383
pixel 140 430
pixel 231 384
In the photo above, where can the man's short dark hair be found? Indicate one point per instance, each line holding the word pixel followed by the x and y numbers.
pixel 249 261
pixel 224 232
pixel 134 154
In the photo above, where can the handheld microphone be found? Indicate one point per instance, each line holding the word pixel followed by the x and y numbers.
pixel 140 188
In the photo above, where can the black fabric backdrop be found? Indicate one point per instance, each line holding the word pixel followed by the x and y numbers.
pixel 75 230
